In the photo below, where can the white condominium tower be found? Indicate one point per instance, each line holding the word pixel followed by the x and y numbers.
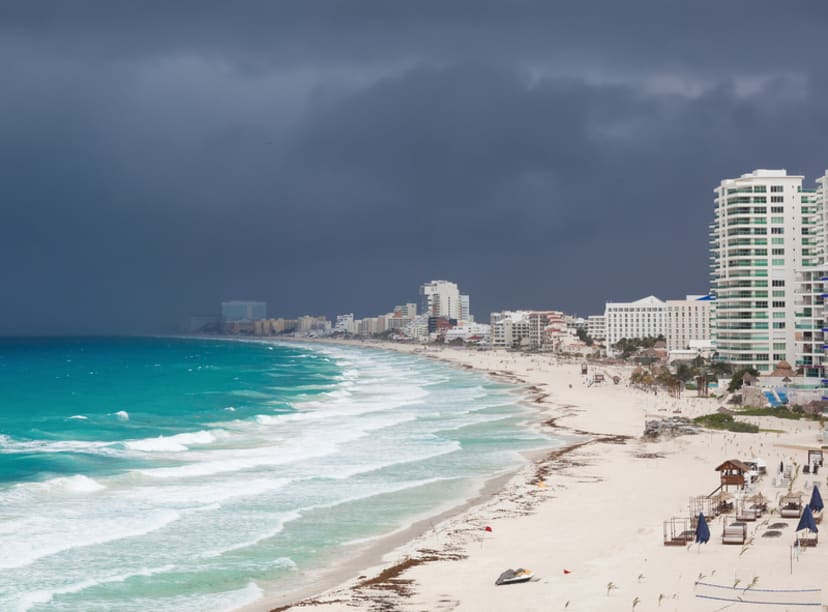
pixel 441 298
pixel 763 231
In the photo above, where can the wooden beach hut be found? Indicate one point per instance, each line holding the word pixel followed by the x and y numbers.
pixel 732 473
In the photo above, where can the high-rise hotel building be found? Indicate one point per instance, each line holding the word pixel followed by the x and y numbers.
pixel 441 298
pixel 812 317
pixel 765 229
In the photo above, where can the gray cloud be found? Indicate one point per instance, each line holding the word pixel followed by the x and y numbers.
pixel 155 160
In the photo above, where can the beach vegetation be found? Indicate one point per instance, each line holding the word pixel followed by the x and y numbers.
pixel 794 412
pixel 718 368
pixel 736 380
pixel 611 587
pixel 720 420
pixel 642 377
pixel 780 412
pixel 636 601
pixel 584 337
pixel 630 346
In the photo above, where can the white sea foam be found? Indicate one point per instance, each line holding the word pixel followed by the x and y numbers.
pixel 215 492
pixel 10 446
pixel 122 415
pixel 49 535
pixel 266 535
pixel 224 461
pixel 174 444
pixel 79 417
pixel 77 484
pixel 343 470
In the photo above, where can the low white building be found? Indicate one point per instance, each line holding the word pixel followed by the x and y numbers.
pixel 696 348
pixel 371 325
pixel 534 329
pixel 470 332
pixel 345 324
pixel 597 327
pixel 509 328
pixel 306 324
pixel 417 328
pixel 639 319
pixel 546 327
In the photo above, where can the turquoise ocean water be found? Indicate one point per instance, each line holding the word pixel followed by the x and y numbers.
pixel 171 474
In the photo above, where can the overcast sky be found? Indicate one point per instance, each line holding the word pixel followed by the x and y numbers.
pixel 158 157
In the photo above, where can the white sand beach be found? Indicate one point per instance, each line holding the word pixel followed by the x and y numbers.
pixel 588 519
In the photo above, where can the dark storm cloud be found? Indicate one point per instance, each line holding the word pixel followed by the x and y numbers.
pixel 329 157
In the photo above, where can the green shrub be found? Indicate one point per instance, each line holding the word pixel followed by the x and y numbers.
pixel 780 412
pixel 720 420
pixel 742 427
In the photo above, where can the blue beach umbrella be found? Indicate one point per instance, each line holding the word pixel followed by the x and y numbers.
pixel 816 500
pixel 702 530
pixel 806 521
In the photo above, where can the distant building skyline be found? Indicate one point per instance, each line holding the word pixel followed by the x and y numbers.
pixel 243 310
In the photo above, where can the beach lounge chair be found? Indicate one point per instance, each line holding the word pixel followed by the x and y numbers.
pixel 747 513
pixel 790 506
pixel 807 538
pixel 735 533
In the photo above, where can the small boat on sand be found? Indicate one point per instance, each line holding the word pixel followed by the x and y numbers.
pixel 511 576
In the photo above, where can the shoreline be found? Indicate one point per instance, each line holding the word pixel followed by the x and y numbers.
pixel 383 546
pixel 400 544
pixel 587 517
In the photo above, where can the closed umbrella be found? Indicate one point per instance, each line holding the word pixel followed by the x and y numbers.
pixel 702 530
pixel 806 521
pixel 816 500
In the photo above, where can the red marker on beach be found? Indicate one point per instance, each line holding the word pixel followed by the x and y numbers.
pixel 487 528
pixel 566 571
